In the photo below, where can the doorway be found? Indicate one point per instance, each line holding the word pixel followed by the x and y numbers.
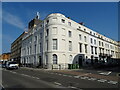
pixel 40 61
pixel 80 60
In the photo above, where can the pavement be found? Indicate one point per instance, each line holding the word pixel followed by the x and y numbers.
pixel 70 79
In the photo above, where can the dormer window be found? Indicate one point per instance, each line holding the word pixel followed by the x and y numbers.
pixel 90 32
pixel 63 21
pixel 85 30
pixel 69 23
pixel 79 27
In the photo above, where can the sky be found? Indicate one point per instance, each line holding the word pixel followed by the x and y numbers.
pixel 101 17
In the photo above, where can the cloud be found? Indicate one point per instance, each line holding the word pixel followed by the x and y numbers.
pixel 13 20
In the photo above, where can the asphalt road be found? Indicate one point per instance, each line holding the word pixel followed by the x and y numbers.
pixel 25 78
pixel 111 71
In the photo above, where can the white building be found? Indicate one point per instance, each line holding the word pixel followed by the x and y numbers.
pixel 58 41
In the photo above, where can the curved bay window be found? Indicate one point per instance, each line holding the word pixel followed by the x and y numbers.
pixel 54 59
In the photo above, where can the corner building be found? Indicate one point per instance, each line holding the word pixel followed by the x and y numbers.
pixel 58 41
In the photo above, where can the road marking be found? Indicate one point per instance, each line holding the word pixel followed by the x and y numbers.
pixel 64 75
pixel 92 79
pixel 72 87
pixel 59 74
pixel 84 77
pixel 87 74
pixel 57 83
pixel 101 80
pixel 30 76
pixel 2 87
pixel 23 74
pixel 33 77
pixel 26 75
pixel 69 76
pixel 76 76
pixel 113 82
pixel 13 72
pixel 56 73
pixel 37 78
pixel 105 73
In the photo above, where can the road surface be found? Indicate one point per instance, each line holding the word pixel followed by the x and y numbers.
pixel 28 78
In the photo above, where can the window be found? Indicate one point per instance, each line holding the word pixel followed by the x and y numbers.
pixel 95 50
pixel 54 30
pixel 85 39
pixel 47 45
pixel 108 45
pixel 34 59
pixel 70 33
pixel 35 48
pixel 46 59
pixel 54 44
pixel 100 50
pixel 35 38
pixel 94 41
pixel 91 40
pixel 85 30
pixel 106 51
pixel 47 32
pixel 54 59
pixel 70 45
pixel 40 49
pixel 47 21
pixel 63 21
pixel 80 37
pixel 79 27
pixel 63 30
pixel 85 48
pixel 80 47
pixel 70 58
pixel 90 32
pixel 111 46
pixel 99 43
pixel 91 49
pixel 40 35
pixel 69 23
pixel 102 44
pixel 41 25
pixel 30 50
pixel 63 44
pixel 103 50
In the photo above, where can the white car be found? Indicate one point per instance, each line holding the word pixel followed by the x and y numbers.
pixel 12 65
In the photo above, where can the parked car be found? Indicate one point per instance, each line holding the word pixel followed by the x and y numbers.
pixel 12 65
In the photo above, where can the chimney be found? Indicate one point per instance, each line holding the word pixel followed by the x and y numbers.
pixel 68 17
pixel 38 15
pixel 82 23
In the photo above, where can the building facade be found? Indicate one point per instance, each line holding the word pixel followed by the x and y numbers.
pixel 5 57
pixel 16 49
pixel 58 41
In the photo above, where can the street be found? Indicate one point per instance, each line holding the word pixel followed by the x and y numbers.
pixel 30 78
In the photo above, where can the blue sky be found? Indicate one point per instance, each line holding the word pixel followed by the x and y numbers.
pixel 98 16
